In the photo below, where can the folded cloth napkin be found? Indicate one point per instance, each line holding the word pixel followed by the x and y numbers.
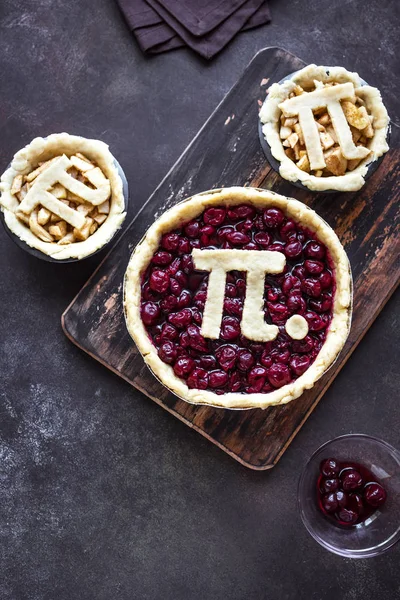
pixel 158 29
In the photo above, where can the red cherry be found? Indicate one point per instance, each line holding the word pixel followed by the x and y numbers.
pixel 296 303
pixel 218 379
pixel 299 363
pixel 181 318
pixel 208 362
pixel 214 216
pixel 230 328
pixel 374 494
pixel 150 313
pixel 159 281
pixel 346 515
pixel 314 267
pixel 315 250
pixel 329 467
pixel 198 379
pixel 288 230
pixel 273 217
pixel 170 241
pixel 168 332
pixel 245 360
pixel 293 249
pixel 162 258
pixel 183 366
pixel 279 375
pixel 325 280
pixel 351 480
pixel 241 212
pixel 315 322
pixel 233 306
pixel 167 352
pixel 290 282
pixel 262 238
pixel 226 356
pixel 196 340
pixel 311 287
pixel 238 239
pixel 192 229
pixel 303 346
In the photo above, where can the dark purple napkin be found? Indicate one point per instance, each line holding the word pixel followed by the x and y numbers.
pixel 157 30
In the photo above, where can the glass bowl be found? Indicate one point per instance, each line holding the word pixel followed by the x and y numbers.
pixel 382 529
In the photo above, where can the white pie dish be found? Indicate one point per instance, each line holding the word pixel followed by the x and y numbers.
pixel 42 149
pixel 271 142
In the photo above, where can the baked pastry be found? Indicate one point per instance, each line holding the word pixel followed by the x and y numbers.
pixel 63 195
pixel 325 127
pixel 238 298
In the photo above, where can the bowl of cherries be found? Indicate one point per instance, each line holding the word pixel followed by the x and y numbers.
pixel 349 496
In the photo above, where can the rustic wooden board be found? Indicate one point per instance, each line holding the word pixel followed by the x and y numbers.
pixel 227 152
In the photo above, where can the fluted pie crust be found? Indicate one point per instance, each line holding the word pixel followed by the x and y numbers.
pixel 279 97
pixel 63 145
pixel 193 207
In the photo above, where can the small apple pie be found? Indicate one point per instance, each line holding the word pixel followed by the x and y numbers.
pixel 325 127
pixel 63 196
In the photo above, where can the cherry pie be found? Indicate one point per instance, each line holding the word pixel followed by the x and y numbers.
pixel 63 195
pixel 239 298
pixel 325 127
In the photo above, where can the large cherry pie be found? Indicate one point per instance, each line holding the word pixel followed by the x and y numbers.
pixel 239 298
pixel 63 195
pixel 325 127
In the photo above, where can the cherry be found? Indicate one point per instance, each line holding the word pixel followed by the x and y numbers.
pixel 183 366
pixel 168 332
pixel 314 250
pixel 208 362
pixel 159 281
pixel 174 266
pixel 325 280
pixel 329 485
pixel 226 356
pixel 330 503
pixel 196 340
pixel 279 312
pixel 314 267
pixel 280 355
pixel 290 283
pixel 296 303
pixel 181 318
pixel 299 364
pixel 167 352
pixel 329 467
pixel 311 287
pixel 265 359
pixel 351 479
pixel 244 211
pixel 276 247
pixel 288 230
pixel 237 238
pixel 233 306
pixel 187 264
pixel 273 294
pixel 150 313
pixel 315 322
pixel 169 303
pixel 184 299
pixel 303 346
pixel 273 217
pixel 184 246
pixel 300 272
pixel 192 229
pixel 348 516
pixel 245 360
pixel 175 286
pixel 170 241
pixel 375 494
pixel 278 375
pixel 230 328
pixel 293 249
pixel 162 258
pixel 218 379
pixel 262 238
pixel 198 379
pixel 342 498
pixel 230 290
pixel 214 216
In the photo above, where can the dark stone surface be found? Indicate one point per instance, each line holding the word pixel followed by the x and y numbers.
pixel 102 494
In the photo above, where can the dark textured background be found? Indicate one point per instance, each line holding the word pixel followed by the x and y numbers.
pixel 103 495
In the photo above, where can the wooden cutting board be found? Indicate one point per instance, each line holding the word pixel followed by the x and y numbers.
pixel 227 152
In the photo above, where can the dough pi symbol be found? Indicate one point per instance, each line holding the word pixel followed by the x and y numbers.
pixel 329 97
pixel 256 263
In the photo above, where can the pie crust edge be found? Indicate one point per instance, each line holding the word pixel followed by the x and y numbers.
pixel 270 113
pixel 41 149
pixel 191 208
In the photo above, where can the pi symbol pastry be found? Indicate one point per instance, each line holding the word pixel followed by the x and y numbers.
pixel 256 264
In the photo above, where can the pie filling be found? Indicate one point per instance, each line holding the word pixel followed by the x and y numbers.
pixel 174 297
pixel 326 130
pixel 64 200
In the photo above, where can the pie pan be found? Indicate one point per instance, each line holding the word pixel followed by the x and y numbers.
pixel 41 255
pixel 275 164
pixel 220 403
